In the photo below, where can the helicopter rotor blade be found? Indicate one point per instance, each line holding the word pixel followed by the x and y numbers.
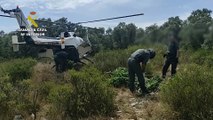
pixel 107 19
pixel 6 16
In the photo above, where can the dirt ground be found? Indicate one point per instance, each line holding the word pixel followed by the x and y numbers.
pixel 149 107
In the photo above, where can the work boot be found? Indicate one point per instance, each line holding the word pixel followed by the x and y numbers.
pixel 145 92
pixel 163 76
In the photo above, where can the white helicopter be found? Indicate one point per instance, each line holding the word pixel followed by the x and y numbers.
pixel 67 47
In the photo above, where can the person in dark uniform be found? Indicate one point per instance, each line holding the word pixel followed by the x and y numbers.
pixel 171 56
pixel 141 56
pixel 61 61
pixel 66 34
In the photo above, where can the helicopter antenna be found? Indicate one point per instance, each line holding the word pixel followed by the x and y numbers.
pixel 112 18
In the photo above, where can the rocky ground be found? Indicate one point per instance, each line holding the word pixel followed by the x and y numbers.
pixel 135 108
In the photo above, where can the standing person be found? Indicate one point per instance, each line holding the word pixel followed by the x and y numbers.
pixel 171 56
pixel 141 56
pixel 61 61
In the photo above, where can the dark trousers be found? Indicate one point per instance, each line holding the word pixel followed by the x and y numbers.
pixel 135 68
pixel 61 65
pixel 61 62
pixel 168 62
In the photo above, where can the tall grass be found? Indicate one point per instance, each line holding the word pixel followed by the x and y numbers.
pixel 110 60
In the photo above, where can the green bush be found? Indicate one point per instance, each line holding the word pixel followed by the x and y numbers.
pixel 88 95
pixel 110 60
pixel 5 97
pixel 119 77
pixel 17 69
pixel 60 96
pixel 153 83
pixel 190 93
pixel 15 99
pixel 203 57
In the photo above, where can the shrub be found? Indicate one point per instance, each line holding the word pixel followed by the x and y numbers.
pixel 25 98
pixel 202 57
pixel 5 94
pixel 110 60
pixel 17 69
pixel 190 93
pixel 15 99
pixel 44 78
pixel 60 97
pixel 43 72
pixel 88 95
pixel 21 95
pixel 119 77
pixel 153 83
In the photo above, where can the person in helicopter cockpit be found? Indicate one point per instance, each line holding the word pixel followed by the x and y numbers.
pixel 66 34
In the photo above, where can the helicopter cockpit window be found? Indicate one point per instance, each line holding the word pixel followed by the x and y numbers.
pixel 66 34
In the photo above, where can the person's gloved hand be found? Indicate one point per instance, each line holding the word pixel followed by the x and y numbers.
pixel 166 54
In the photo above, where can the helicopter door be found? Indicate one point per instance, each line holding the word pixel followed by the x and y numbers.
pixel 84 50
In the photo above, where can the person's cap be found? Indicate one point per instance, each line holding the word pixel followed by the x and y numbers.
pixel 152 53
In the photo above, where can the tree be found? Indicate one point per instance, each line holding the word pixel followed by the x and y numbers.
pixel 60 25
pixel 151 34
pixel 208 41
pixel 131 33
pixel 108 41
pixel 173 25
pixel 200 16
pixel 139 35
pixel 6 46
pixel 196 26
pixel 123 35
pixel 1 33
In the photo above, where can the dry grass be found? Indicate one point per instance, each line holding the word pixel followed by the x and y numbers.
pixel 141 108
pixel 45 72
pixel 138 108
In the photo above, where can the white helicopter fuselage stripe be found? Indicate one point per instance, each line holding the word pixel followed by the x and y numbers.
pixel 72 41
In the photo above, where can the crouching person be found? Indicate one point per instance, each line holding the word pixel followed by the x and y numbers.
pixel 136 65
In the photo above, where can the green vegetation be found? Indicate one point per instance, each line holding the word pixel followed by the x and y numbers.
pixel 153 83
pixel 119 77
pixel 78 94
pixel 17 69
pixel 15 88
pixel 190 93
pixel 86 93
pixel 203 57
pixel 109 60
